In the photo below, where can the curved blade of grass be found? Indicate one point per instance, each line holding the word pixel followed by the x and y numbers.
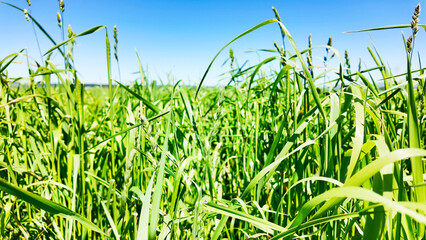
pixel 125 131
pixel 300 127
pixel 315 222
pixel 46 71
pixel 256 70
pixel 233 40
pixel 37 24
pixel 284 70
pixel 46 205
pixel 89 31
pixel 367 83
pixel 103 182
pixel 414 205
pixel 315 178
pixel 386 28
pixel 13 56
pixel 271 167
pixel 356 193
pixel 259 222
pixel 306 71
pixel 286 148
pixel 146 102
pixel 23 98
pixel 368 171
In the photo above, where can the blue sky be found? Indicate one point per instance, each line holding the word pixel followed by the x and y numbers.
pixel 179 38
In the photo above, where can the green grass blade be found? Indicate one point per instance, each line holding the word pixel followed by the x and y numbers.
pixel 141 72
pixel 305 70
pixel 146 102
pixel 368 171
pixel 356 193
pixel 156 197
pixel 189 112
pixel 233 40
pixel 368 84
pixel 13 56
pixel 218 231
pixel 87 32
pixel 319 221
pixel 271 167
pixel 46 205
pixel 414 136
pixel 123 132
pixel 110 220
pixel 258 222
pixel 386 28
pixel 37 24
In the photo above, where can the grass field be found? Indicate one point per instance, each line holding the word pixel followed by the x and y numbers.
pixel 271 155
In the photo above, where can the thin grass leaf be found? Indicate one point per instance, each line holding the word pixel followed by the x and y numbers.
pixel 46 205
pixel 359 132
pixel 143 226
pixel 305 70
pixel 386 28
pixel 356 193
pixel 233 40
pixel 146 102
pixel 368 171
pixel 87 32
pixel 156 197
pixel 111 221
pixel 258 222
pixel 13 56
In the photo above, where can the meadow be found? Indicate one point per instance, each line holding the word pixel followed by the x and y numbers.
pixel 271 155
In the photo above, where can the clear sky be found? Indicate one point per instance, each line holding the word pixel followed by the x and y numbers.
pixel 179 38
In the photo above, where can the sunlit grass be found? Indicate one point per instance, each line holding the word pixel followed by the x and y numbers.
pixel 270 155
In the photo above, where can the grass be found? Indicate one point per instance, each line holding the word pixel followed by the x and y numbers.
pixel 271 155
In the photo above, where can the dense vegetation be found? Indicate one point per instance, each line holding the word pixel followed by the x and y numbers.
pixel 271 155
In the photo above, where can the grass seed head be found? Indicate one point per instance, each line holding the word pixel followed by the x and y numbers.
pixel 115 42
pixel 347 62
pixel 58 17
pixel 277 16
pixel 415 21
pixel 29 3
pixel 409 41
pixel 309 53
pixel 231 54
pixel 70 33
pixel 62 5
pixel 417 11
pixel 309 58
pixel 26 15
pixel 115 33
pixel 329 43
